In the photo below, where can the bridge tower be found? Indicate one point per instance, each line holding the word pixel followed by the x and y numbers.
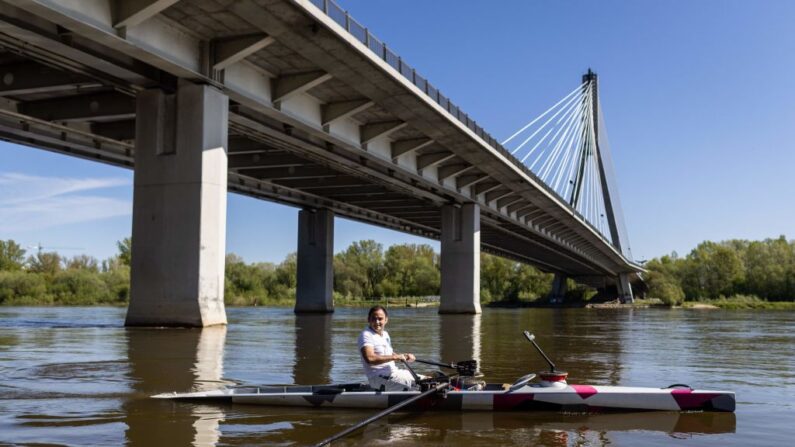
pixel 613 214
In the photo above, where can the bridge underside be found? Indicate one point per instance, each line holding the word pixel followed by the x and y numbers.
pixel 73 114
pixel 313 122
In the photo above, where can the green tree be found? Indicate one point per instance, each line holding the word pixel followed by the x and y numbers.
pixel 117 282
pixel 12 255
pixel 18 287
pixel 83 262
pixel 712 270
pixel 125 251
pixel 360 269
pixel 287 271
pixel 79 287
pixel 769 269
pixel 495 278
pixel 45 262
pixel 411 270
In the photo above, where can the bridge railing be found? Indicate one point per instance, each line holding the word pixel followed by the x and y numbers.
pixel 378 47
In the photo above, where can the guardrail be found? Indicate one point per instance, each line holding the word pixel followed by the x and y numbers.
pixel 379 48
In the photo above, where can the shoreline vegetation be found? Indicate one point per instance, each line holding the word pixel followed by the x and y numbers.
pixel 734 274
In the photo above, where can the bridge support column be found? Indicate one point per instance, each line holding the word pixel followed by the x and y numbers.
pixel 460 259
pixel 179 208
pixel 559 287
pixel 314 291
pixel 624 288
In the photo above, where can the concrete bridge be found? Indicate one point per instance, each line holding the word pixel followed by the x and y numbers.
pixel 290 101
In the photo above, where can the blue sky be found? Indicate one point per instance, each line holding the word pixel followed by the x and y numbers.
pixel 697 99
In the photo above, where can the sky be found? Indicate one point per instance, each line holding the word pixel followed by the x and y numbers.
pixel 697 99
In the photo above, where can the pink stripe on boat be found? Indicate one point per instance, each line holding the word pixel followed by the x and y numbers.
pixel 584 391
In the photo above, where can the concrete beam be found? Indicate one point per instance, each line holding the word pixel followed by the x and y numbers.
pixel 469 180
pixel 230 50
pixel 497 194
pixel 265 160
pixel 334 111
pixel 460 259
pixel 519 206
pixel 242 145
pixel 508 200
pixel 398 207
pixel 530 212
pixel 293 84
pixel 403 147
pixel 117 130
pixel 30 78
pixel 425 161
pixel 419 213
pixel 292 172
pixel 485 187
pixel 387 204
pixel 371 131
pixel 357 194
pixel 315 263
pixel 132 12
pixel 106 106
pixel 179 208
pixel 452 170
pixel 339 181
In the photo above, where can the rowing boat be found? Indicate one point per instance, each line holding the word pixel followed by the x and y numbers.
pixel 544 396
pixel 465 392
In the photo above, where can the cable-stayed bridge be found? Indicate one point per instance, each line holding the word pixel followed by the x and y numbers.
pixel 296 102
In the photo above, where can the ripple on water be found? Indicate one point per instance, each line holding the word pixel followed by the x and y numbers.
pixel 75 376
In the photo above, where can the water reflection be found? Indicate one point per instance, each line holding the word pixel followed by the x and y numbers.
pixel 164 360
pixel 551 429
pixel 312 349
pixel 459 337
pixel 71 377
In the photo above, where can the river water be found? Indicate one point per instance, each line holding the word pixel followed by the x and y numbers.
pixel 76 376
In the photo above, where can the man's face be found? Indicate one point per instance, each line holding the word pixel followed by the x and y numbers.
pixel 378 320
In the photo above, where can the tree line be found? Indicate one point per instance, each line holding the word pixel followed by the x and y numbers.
pixel 734 268
pixel 365 271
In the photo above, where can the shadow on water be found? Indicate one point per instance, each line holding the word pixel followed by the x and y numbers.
pixel 164 360
pixel 312 349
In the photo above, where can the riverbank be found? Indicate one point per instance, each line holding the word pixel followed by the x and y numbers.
pixel 738 302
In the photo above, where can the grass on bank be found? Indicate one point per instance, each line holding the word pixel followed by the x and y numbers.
pixel 741 302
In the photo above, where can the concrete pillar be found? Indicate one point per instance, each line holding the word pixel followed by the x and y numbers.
pixel 315 261
pixel 179 208
pixel 460 259
pixel 624 288
pixel 559 287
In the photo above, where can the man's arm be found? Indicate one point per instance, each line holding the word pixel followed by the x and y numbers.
pixel 374 359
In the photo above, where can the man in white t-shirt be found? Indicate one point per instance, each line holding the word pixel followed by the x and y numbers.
pixel 378 358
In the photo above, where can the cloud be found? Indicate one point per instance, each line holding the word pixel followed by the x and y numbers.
pixel 33 202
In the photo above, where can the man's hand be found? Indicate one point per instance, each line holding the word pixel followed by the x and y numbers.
pixel 409 357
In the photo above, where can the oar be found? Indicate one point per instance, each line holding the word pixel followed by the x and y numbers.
pixel 378 416
pixel 532 339
pixel 434 363
pixel 464 368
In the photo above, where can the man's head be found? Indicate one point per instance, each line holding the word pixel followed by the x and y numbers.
pixel 377 318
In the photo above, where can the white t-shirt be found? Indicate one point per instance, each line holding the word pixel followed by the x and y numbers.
pixel 382 345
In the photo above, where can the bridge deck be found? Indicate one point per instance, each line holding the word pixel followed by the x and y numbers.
pixel 316 118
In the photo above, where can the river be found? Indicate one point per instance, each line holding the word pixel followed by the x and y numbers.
pixel 76 376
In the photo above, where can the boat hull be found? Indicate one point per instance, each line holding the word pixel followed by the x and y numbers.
pixel 569 398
